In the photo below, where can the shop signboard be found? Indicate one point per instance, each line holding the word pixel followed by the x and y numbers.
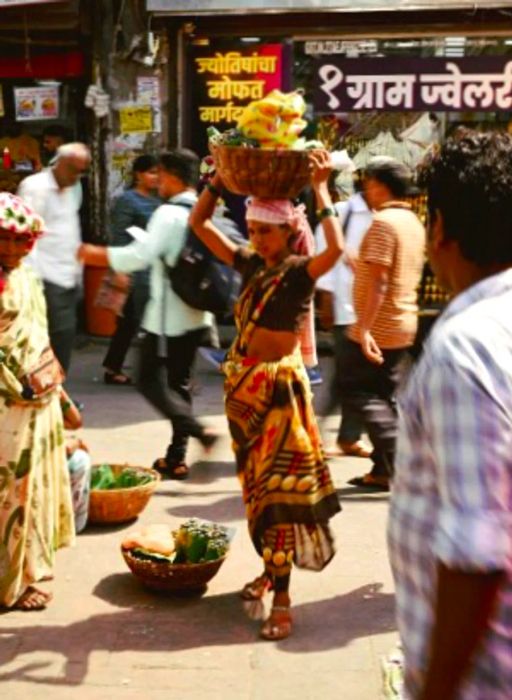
pixel 225 78
pixel 31 103
pixel 482 84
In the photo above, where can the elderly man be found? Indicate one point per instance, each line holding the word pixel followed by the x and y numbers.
pixel 450 527
pixel 56 195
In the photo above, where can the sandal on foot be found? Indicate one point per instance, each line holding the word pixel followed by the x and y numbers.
pixel 278 625
pixel 118 378
pixel 370 481
pixel 355 449
pixel 255 590
pixel 177 472
pixel 208 439
pixel 32 599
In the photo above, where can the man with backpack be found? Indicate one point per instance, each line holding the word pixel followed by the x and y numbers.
pixel 174 330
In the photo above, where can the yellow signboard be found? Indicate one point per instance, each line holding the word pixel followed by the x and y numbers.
pixel 136 119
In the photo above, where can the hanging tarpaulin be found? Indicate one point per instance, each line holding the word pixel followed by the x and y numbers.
pixel 210 7
pixel 474 83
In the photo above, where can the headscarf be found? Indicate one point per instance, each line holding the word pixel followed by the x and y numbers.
pixel 283 211
pixel 20 220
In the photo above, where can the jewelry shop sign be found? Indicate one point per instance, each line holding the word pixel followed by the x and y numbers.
pixel 482 84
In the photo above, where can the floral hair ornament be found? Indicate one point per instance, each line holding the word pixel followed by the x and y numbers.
pixel 18 219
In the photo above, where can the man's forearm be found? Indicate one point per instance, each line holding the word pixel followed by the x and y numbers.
pixel 374 300
pixel 464 605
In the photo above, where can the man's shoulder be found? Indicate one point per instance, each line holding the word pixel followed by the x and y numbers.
pixel 37 181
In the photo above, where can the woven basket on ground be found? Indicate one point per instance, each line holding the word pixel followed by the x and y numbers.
pixel 264 173
pixel 121 505
pixel 172 577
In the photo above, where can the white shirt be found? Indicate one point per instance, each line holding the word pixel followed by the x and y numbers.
pixel 54 254
pixel 340 278
pixel 165 313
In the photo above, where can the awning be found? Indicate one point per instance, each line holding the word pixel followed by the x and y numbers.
pixel 17 3
pixel 213 7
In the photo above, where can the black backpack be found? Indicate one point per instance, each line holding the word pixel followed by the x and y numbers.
pixel 199 278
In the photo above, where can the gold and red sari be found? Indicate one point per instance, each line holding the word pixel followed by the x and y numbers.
pixel 287 487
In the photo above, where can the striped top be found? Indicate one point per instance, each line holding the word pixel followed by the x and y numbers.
pixel 396 239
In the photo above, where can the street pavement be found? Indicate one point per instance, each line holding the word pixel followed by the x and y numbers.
pixel 105 636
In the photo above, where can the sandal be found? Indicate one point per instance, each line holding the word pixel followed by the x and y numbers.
pixel 177 472
pixel 370 481
pixel 255 590
pixel 278 625
pixel 32 599
pixel 118 378
pixel 349 449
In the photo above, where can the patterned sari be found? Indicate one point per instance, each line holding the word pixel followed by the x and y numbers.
pixel 36 514
pixel 287 488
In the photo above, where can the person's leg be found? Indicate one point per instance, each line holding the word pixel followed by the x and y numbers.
pixel 62 317
pixel 126 328
pixel 367 391
pixel 181 354
pixel 351 426
pixel 164 396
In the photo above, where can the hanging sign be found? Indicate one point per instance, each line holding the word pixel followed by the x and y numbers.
pixel 136 119
pixel 482 84
pixel 36 103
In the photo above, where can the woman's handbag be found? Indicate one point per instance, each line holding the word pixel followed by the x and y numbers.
pixel 44 376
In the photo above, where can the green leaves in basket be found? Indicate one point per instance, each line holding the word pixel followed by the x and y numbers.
pixel 102 478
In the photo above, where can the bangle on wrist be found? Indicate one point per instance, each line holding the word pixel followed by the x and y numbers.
pixel 212 189
pixel 325 212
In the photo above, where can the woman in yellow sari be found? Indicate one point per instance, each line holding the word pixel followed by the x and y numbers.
pixel 287 488
pixel 36 515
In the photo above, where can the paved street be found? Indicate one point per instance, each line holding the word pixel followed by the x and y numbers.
pixel 104 636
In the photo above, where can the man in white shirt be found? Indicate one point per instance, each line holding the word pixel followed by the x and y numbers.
pixel 55 194
pixel 355 218
pixel 174 330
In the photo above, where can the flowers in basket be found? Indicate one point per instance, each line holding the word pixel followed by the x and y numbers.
pixel 194 542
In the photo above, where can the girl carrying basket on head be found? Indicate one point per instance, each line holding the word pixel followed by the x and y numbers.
pixel 286 484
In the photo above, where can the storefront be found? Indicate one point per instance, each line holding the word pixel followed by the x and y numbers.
pixel 391 77
pixel 43 74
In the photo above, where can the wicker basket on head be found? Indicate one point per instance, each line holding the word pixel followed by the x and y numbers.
pixel 121 505
pixel 268 174
pixel 161 576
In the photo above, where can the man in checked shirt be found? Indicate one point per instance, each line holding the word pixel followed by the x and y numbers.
pixel 450 525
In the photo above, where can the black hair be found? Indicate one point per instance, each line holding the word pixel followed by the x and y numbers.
pixel 56 130
pixel 143 163
pixel 469 182
pixel 391 173
pixel 182 163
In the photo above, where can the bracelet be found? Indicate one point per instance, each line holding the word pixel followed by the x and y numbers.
pixel 65 406
pixel 212 189
pixel 325 212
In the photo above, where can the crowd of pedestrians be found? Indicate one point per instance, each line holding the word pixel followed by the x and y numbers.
pixel 437 430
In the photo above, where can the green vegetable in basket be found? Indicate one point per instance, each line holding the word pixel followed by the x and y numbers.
pixel 215 549
pixel 129 478
pixel 103 478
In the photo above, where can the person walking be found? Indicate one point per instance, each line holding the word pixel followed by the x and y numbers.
pixel 356 218
pixel 173 329
pixel 53 194
pixel 133 208
pixel 449 533
pixel 36 512
pixel 287 488
pixel 373 361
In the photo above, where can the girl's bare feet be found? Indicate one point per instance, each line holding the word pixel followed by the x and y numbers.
pixel 278 625
pixel 255 590
pixel 32 599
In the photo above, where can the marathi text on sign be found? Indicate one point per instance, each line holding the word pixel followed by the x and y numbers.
pixel 414 84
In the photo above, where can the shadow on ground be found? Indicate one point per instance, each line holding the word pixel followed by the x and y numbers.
pixel 177 624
